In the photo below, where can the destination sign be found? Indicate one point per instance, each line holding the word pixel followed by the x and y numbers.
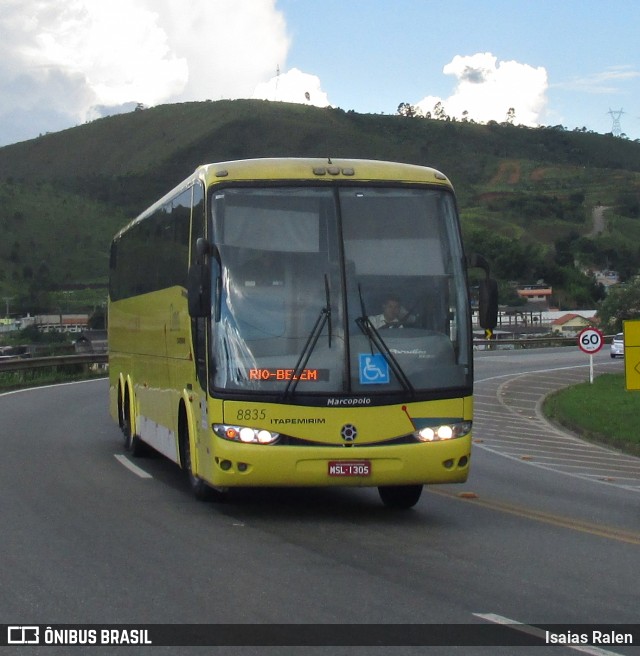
pixel 270 373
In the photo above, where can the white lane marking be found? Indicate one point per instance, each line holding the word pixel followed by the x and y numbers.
pixel 555 470
pixel 43 387
pixel 123 460
pixel 545 370
pixel 541 633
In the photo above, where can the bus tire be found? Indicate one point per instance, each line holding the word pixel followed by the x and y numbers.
pixel 132 442
pixel 120 407
pixel 198 487
pixel 400 496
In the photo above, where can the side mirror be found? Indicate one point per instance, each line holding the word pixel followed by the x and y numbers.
pixel 203 247
pixel 199 282
pixel 199 291
pixel 488 304
pixel 488 297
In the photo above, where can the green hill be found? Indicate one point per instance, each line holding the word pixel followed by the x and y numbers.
pixel 526 195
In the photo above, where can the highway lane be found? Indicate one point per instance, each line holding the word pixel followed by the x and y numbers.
pixel 509 422
pixel 87 540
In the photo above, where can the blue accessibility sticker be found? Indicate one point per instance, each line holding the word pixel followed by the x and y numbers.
pixel 374 369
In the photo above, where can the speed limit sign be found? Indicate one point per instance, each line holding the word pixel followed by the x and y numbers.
pixel 590 340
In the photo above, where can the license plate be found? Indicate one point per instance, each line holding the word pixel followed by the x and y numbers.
pixel 349 468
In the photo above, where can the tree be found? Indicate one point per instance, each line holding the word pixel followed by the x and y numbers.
pixel 408 110
pixel 98 320
pixel 439 112
pixel 628 204
pixel 565 246
pixel 622 303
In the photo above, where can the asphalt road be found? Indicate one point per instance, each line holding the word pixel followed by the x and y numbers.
pixel 88 538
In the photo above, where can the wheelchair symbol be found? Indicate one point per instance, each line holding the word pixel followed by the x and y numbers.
pixel 374 369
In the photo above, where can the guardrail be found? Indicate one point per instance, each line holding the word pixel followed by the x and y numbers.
pixel 530 342
pixel 534 342
pixel 22 364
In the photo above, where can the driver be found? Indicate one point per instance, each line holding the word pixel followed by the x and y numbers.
pixel 393 315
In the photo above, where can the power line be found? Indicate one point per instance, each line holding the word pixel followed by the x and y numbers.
pixel 616 130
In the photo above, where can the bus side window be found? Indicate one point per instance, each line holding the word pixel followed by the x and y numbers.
pixel 197 219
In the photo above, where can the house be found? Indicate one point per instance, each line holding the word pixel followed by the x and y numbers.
pixel 569 325
pixel 535 293
pixel 61 323
pixel 91 341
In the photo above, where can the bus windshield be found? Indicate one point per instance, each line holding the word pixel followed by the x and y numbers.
pixel 341 289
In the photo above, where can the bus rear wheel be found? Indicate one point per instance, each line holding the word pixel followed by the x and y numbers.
pixel 132 442
pixel 400 496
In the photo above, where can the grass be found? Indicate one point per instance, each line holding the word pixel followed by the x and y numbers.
pixel 601 412
pixel 79 300
pixel 14 380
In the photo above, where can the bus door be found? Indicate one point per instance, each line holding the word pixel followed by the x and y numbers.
pixel 199 324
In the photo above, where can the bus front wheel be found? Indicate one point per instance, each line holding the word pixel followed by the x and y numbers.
pixel 199 488
pixel 400 496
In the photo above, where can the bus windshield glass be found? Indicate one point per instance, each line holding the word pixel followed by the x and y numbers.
pixel 339 290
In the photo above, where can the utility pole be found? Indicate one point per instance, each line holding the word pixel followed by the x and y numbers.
pixel 6 299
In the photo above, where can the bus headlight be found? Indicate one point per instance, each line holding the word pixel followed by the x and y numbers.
pixel 443 432
pixel 245 434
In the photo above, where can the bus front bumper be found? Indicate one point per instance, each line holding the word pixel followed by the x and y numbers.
pixel 248 465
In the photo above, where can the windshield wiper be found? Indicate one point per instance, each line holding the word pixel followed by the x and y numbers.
pixel 370 331
pixel 312 340
pixel 327 307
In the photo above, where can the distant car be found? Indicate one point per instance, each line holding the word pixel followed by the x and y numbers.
pixel 617 346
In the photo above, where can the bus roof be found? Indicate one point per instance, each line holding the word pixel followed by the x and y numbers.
pixel 300 169
pixel 295 168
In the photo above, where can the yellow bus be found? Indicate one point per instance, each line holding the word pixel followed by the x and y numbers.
pixel 296 322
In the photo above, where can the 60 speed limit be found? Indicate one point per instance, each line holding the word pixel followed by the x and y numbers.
pixel 590 340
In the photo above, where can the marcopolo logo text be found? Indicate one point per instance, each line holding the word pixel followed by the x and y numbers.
pixel 351 401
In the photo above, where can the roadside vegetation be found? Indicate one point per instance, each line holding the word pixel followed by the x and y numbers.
pixel 603 412
pixel 14 380
pixel 526 195
pixel 43 345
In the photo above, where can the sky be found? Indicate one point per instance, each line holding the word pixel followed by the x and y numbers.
pixel 574 63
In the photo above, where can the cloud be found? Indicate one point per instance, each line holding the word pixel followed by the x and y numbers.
pixel 486 89
pixel 104 53
pixel 605 82
pixel 63 62
pixel 293 86
pixel 230 45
